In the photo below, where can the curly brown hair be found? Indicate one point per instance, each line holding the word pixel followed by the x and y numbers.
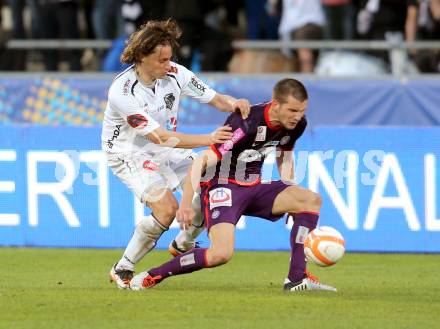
pixel 150 35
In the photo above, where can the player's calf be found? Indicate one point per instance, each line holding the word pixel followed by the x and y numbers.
pixel 303 223
pixel 191 261
pixel 186 239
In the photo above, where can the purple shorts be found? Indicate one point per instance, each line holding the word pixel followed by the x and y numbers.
pixel 226 203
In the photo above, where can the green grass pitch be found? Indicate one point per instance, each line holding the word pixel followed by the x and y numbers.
pixel 69 288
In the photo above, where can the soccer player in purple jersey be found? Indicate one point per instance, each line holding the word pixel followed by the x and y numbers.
pixel 232 187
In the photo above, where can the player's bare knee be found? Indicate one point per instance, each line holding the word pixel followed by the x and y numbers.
pixel 223 258
pixel 164 210
pixel 313 202
pixel 167 211
pixel 219 257
pixel 316 199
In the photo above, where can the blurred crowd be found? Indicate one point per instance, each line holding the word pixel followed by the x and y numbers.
pixel 210 26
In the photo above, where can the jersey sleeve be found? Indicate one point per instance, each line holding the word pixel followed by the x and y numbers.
pixel 192 86
pixel 130 110
pixel 240 132
pixel 294 136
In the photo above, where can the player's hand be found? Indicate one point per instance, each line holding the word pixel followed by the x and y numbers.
pixel 242 105
pixel 221 135
pixel 185 216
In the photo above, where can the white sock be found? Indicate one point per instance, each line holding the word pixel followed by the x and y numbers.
pixel 144 238
pixel 186 240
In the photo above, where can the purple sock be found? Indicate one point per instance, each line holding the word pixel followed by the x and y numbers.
pixel 303 223
pixel 188 262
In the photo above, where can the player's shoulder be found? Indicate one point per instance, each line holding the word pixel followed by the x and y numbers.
pixel 300 127
pixel 302 124
pixel 259 108
pixel 256 115
pixel 177 70
pixel 179 73
pixel 124 83
pixel 251 123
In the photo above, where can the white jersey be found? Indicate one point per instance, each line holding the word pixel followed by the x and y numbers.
pixel 135 110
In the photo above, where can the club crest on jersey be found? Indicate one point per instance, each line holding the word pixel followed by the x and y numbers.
pixel 220 197
pixel 285 140
pixel 169 101
pixel 261 134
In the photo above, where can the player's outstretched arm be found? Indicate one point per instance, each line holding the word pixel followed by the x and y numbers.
pixel 185 213
pixel 226 103
pixel 168 138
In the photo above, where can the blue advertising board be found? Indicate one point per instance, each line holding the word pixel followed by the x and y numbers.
pixel 81 101
pixel 380 189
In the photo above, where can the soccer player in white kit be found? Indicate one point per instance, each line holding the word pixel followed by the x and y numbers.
pixel 141 143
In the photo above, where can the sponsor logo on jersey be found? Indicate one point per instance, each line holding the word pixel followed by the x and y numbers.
pixel 220 197
pixel 197 86
pixel 285 140
pixel 249 156
pixel 271 143
pixel 236 136
pixel 137 121
pixel 150 165
pixel 268 144
pixel 125 87
pixel 116 133
pixel 215 214
pixel 261 134
pixel 169 101
pixel 173 69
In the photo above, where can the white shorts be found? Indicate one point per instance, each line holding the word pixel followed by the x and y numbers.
pixel 146 175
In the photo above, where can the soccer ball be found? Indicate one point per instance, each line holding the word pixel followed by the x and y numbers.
pixel 324 246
